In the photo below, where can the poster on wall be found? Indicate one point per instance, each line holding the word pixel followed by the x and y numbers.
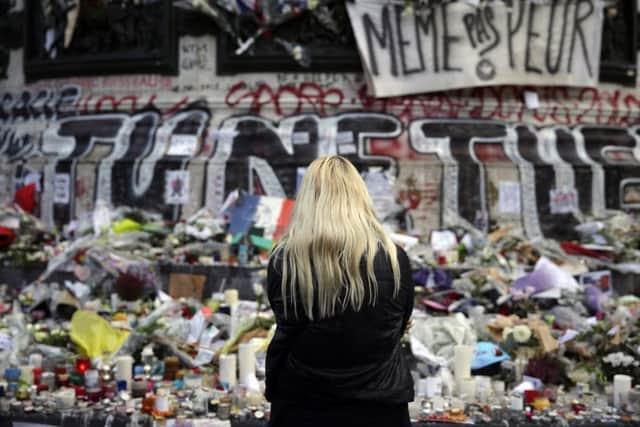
pixel 456 44
pixel 176 190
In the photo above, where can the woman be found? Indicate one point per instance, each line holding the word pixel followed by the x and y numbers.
pixel 342 295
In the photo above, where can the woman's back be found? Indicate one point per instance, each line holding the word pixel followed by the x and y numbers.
pixel 351 358
pixel 342 295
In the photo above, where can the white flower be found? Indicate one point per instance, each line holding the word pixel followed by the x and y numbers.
pixel 521 333
pixel 258 289
pixel 620 359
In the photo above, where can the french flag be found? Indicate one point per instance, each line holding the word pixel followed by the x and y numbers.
pixel 272 214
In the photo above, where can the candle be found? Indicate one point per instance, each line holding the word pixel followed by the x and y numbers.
pixel 35 360
pixel 228 370
pixel 37 374
pixel 124 370
pixel 48 379
pixel 247 361
pixel 467 389
pixel 621 389
pixel 94 394
pixel 82 364
pixel 65 398
pixel 516 403
pixel 498 389
pixel 433 386
pixel 161 403
pixel 91 379
pixel 462 355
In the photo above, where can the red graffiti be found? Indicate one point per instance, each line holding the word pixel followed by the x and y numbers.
pixel 558 105
pixel 287 99
pixel 128 104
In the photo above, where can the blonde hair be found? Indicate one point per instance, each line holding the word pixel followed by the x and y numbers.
pixel 333 226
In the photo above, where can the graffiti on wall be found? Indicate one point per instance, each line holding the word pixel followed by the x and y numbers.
pixel 441 170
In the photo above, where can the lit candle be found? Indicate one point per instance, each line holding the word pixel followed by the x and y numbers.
pixel 82 364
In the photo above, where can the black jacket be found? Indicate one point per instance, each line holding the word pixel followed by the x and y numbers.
pixel 352 357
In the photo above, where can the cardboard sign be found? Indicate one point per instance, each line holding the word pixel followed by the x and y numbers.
pixel 184 285
pixel 451 45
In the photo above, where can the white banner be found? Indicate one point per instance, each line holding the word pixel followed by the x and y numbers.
pixel 456 45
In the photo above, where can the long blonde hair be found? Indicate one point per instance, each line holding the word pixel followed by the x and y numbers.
pixel 333 226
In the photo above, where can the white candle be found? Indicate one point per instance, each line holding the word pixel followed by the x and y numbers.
pixel 621 389
pixel 247 361
pixel 161 403
pixel 124 370
pixel 467 389
pixel 498 389
pixel 228 370
pixel 434 386
pixel 462 355
pixel 91 378
pixel 65 398
pixel 516 403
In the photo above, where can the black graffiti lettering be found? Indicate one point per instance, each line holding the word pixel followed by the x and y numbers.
pixel 469 21
pixel 513 28
pixel 577 29
pixel 402 43
pixel 448 39
pixel 489 17
pixel 531 35
pixel 384 38
pixel 425 24
pixel 553 27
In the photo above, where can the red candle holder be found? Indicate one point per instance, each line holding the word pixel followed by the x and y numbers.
pixel 83 364
pixel 94 394
pixel 109 390
pixel 531 395
pixel 81 392
pixel 63 380
pixel 37 374
pixel 42 387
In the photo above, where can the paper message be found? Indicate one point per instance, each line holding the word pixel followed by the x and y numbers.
pixel 183 145
pixel 61 191
pixel 509 197
pixel 176 190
